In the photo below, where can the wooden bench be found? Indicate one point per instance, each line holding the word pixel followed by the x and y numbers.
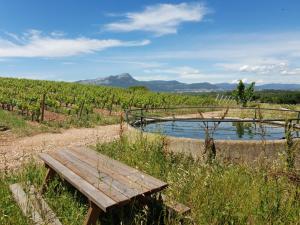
pixel 107 183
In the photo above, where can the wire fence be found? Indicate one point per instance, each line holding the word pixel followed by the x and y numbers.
pixel 186 121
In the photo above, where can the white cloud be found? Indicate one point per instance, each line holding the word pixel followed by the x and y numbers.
pixel 67 63
pixel 245 80
pixel 271 57
pixel 57 33
pixel 136 63
pixel 182 73
pixel 294 71
pixel 34 44
pixel 32 76
pixel 160 19
pixel 235 47
pixel 262 68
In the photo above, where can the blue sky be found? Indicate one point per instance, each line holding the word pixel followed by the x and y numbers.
pixel 190 41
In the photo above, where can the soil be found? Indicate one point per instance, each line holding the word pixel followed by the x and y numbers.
pixel 106 112
pixel 53 116
pixel 15 151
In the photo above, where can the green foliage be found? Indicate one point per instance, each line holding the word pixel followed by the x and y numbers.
pixel 69 205
pixel 72 99
pixel 19 126
pixel 290 149
pixel 243 94
pixel 138 88
pixel 217 194
pixel 278 96
pixel 10 213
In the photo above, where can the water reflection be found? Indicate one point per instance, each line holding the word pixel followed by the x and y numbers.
pixel 241 128
pixel 225 131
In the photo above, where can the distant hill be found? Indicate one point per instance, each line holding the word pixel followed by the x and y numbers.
pixel 125 80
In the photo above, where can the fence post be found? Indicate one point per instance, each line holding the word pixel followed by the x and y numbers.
pixel 217 97
pixel 220 100
pixel 126 114
pixel 43 107
pixel 142 115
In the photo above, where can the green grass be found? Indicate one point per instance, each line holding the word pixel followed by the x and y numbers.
pixel 69 205
pixel 217 193
pixel 21 126
pixel 10 214
pixel 90 121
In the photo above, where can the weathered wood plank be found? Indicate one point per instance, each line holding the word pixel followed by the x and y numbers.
pixel 43 208
pixel 100 180
pixel 95 159
pixel 130 173
pixel 175 207
pixel 49 175
pixel 92 215
pixel 23 201
pixel 92 193
pixel 129 188
pixel 34 206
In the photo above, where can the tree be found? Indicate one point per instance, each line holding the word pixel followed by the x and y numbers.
pixel 243 94
pixel 138 88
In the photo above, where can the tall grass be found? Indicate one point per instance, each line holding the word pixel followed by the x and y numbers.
pixel 216 193
pixel 69 205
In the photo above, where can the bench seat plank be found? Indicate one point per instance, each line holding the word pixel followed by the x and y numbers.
pixel 134 175
pixel 95 195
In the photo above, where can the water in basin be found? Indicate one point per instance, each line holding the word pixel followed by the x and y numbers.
pixel 224 131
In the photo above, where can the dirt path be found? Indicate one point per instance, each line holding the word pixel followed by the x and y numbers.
pixel 13 152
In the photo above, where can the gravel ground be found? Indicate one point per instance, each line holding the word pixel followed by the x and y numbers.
pixel 15 151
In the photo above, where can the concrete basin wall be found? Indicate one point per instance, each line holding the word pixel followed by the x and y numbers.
pixel 237 151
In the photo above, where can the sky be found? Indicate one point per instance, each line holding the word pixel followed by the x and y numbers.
pixel 189 41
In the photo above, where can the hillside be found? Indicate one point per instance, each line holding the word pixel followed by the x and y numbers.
pixel 125 80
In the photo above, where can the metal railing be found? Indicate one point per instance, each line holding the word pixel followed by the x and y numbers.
pixel 141 116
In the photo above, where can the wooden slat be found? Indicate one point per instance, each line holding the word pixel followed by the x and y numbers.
pixel 120 168
pixel 175 207
pixel 34 206
pixel 91 192
pixel 43 208
pixel 22 199
pixel 112 188
pixel 95 159
pixel 49 175
pixel 124 181
pixel 92 215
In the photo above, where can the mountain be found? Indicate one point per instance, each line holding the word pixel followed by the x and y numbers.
pixel 279 87
pixel 226 86
pixel 125 80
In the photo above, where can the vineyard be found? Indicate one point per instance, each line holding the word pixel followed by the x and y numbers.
pixel 31 98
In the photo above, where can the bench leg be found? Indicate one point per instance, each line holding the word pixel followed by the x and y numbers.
pixel 49 175
pixel 92 215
